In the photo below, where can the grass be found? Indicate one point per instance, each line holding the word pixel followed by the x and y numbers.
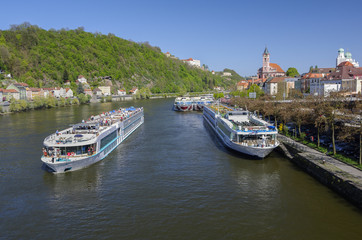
pixel 324 150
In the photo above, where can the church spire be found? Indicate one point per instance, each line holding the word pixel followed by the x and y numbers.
pixel 266 52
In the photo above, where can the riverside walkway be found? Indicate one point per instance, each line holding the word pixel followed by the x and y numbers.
pixel 341 177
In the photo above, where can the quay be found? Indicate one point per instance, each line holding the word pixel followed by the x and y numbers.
pixel 344 179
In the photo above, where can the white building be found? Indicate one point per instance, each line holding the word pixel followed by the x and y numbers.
pixel 82 79
pixel 226 74
pixel 106 90
pixel 345 57
pixel 121 92
pixel 193 62
pixel 329 86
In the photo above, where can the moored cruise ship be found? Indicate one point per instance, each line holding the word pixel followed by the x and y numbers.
pixel 200 102
pixel 89 142
pixel 192 103
pixel 241 130
pixel 183 104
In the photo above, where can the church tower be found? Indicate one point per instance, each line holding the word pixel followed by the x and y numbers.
pixel 266 61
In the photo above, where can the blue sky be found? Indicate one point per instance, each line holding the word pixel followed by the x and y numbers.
pixel 222 34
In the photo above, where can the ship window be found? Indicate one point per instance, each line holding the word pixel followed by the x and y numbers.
pixel 108 139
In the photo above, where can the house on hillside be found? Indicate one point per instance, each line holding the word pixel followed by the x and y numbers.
pixel 88 92
pixel 133 90
pixel 192 62
pixel 11 94
pixel 242 85
pixel 121 92
pixel 226 74
pixel 97 92
pixel 35 92
pixel 81 79
pixel 21 88
pixel 106 90
pixel 68 93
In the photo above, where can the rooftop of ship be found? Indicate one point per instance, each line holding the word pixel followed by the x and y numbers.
pixel 86 132
pixel 243 121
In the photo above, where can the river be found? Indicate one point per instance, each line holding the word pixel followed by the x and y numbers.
pixel 171 179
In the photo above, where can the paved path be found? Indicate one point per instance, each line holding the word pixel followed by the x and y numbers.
pixel 329 163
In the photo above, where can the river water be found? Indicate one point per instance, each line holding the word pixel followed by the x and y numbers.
pixel 171 179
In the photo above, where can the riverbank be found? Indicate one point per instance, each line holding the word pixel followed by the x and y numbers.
pixel 344 179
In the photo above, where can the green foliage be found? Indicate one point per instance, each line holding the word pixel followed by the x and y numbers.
pixel 50 57
pixel 291 72
pixel 75 101
pixel 80 89
pixel 218 95
pixel 18 105
pixel 83 98
pixel 50 102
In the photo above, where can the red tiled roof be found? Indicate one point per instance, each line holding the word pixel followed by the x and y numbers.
pixel 243 83
pixel 35 89
pixel 278 79
pixel 345 64
pixel 10 91
pixel 276 66
pixel 312 75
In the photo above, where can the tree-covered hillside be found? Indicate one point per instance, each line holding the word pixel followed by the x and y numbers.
pixel 49 58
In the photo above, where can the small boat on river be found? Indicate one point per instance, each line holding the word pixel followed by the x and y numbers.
pixel 241 130
pixel 89 142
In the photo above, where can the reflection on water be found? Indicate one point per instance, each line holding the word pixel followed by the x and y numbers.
pixel 171 179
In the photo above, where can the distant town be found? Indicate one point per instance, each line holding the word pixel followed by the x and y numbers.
pixel 344 78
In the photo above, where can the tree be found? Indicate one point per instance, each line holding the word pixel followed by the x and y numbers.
pixel 65 75
pixel 292 72
pixel 80 89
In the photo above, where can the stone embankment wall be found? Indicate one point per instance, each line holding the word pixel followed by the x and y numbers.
pixel 340 177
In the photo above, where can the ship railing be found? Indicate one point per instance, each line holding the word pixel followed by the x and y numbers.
pixel 259 143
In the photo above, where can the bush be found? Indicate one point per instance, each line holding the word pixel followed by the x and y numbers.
pixel 83 98
pixel 75 101
pixel 38 102
pixel 18 105
pixel 62 102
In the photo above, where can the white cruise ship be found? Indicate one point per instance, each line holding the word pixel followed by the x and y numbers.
pixel 192 103
pixel 241 130
pixel 200 102
pixel 89 142
pixel 183 104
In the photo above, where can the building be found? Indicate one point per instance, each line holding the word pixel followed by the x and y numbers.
pixel 34 92
pixel 242 85
pixel 68 93
pixel 11 94
pixel 21 88
pixel 1 94
pixel 106 90
pixel 345 57
pixel 97 92
pixel 349 76
pixel 133 90
pixel 88 92
pixel 311 83
pixel 271 85
pixel 81 79
pixel 269 69
pixel 192 62
pixel 121 92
